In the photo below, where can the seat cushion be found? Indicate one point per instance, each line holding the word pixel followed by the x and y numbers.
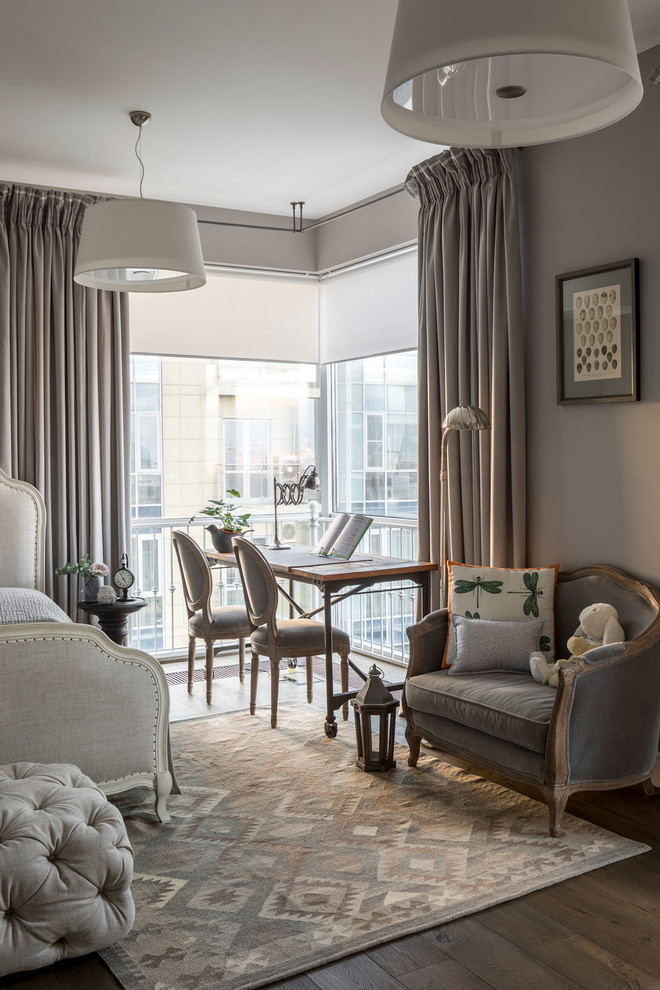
pixel 230 620
pixel 301 635
pixel 509 706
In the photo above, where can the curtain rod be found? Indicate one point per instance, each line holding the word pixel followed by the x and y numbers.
pixel 310 226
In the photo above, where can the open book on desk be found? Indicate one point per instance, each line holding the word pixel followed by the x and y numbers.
pixel 342 536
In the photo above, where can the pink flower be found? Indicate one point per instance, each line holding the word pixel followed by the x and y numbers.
pixel 100 569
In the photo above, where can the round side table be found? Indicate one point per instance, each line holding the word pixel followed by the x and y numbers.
pixel 113 619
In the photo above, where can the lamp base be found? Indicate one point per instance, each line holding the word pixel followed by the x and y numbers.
pixel 277 545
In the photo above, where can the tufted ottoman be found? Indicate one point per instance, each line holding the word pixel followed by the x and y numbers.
pixel 65 867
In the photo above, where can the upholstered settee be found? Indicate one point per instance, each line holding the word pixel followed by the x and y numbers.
pixel 598 730
pixel 68 694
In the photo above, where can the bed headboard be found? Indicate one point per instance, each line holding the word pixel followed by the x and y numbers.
pixel 22 535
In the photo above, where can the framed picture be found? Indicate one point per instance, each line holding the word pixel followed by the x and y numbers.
pixel 598 334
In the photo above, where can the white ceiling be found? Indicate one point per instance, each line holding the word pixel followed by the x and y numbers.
pixel 255 102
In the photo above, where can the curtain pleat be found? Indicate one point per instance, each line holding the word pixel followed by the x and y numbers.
pixel 64 399
pixel 471 353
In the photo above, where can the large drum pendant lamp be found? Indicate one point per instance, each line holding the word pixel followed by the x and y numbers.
pixel 140 245
pixel 505 73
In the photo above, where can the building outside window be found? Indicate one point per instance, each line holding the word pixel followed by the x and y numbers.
pixel 375 438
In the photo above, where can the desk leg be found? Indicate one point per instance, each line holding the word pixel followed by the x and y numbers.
pixel 426 593
pixel 330 726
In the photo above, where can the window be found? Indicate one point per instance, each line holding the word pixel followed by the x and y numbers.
pixel 201 426
pixel 146 438
pixel 246 457
pixel 375 438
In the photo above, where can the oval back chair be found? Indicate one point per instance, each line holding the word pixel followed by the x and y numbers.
pixel 204 621
pixel 283 638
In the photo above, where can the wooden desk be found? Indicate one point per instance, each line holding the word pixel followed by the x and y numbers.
pixel 338 580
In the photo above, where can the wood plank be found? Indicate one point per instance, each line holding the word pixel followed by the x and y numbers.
pixel 634 881
pixel 593 967
pixel 296 983
pixel 497 961
pixel 353 972
pixel 619 928
pixel 448 975
pixel 407 954
pixel 526 925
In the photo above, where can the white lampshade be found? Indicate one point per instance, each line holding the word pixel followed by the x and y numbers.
pixel 466 418
pixel 140 245
pixel 505 73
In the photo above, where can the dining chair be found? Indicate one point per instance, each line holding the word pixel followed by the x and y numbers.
pixel 204 621
pixel 280 638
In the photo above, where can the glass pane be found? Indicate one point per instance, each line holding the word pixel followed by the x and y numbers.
pixel 374 397
pixel 147 397
pixel 149 453
pixel 383 433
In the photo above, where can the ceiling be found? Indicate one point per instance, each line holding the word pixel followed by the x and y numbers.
pixel 255 102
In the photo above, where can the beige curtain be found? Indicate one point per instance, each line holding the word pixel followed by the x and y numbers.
pixel 64 385
pixel 471 353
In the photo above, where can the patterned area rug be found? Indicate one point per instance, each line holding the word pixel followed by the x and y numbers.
pixel 282 855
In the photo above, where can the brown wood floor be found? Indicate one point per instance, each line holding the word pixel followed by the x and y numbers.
pixel 599 931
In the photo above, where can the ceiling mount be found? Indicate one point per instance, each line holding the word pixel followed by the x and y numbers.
pixel 482 74
pixel 140 117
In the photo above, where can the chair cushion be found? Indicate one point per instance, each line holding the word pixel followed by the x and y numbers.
pixel 230 620
pixel 301 635
pixel 509 706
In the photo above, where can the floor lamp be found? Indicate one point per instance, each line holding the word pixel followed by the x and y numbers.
pixel 459 418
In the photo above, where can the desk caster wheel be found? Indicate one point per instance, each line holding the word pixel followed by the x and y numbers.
pixel 330 729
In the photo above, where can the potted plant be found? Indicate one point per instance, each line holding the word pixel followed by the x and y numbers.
pixel 91 572
pixel 230 521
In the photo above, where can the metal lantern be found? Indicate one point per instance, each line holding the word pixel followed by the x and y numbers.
pixel 375 713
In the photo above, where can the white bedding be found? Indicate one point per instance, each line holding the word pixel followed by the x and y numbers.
pixel 28 605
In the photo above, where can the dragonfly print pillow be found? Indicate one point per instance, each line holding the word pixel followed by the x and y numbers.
pixel 502 593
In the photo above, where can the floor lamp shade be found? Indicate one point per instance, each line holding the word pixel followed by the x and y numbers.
pixel 492 74
pixel 140 245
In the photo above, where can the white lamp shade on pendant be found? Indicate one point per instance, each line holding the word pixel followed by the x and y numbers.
pixel 140 245
pixel 506 73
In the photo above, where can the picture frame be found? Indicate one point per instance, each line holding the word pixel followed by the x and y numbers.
pixel 598 334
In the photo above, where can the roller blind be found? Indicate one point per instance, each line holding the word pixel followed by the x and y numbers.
pixel 371 309
pixel 244 316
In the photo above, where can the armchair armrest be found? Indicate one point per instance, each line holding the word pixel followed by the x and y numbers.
pixel 606 722
pixel 427 643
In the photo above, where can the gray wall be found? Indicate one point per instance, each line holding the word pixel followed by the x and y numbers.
pixel 594 469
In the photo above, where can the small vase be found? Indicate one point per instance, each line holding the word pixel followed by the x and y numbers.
pixel 91 588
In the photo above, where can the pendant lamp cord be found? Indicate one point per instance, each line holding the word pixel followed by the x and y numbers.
pixel 138 149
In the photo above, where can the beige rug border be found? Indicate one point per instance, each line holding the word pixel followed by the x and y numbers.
pixel 629 849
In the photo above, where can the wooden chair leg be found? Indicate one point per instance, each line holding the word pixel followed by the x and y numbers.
pixel 274 690
pixel 414 742
pixel 557 798
pixel 309 677
pixel 241 660
pixel 191 662
pixel 209 670
pixel 343 673
pixel 254 678
pixel 648 787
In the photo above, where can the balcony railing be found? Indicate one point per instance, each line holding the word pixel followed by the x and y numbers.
pixel 376 620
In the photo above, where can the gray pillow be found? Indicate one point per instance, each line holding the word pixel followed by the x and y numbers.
pixel 486 646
